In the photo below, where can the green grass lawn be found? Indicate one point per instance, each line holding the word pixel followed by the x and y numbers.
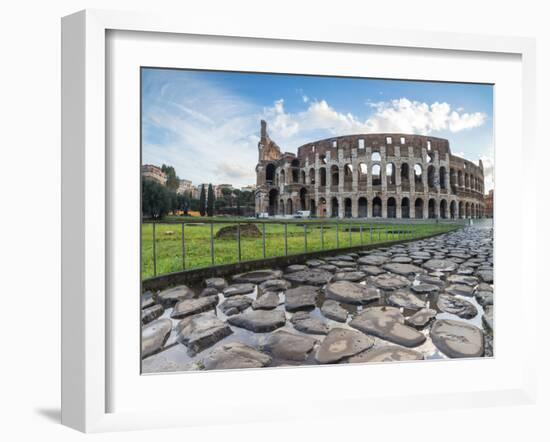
pixel 168 244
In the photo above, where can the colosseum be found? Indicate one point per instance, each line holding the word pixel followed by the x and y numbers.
pixel 388 175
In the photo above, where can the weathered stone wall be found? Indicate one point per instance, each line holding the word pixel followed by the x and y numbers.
pixel 371 175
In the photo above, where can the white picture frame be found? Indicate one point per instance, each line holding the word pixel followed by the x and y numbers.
pixel 86 235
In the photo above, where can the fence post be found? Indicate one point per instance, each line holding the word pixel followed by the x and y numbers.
pixel 386 232
pixel 183 245
pixel 370 228
pixel 349 233
pixel 263 237
pixel 286 239
pixel 337 237
pixel 154 249
pixel 305 237
pixel 239 240
pixel 361 233
pixel 322 238
pixel 212 243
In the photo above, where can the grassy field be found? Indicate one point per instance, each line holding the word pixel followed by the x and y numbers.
pixel 168 244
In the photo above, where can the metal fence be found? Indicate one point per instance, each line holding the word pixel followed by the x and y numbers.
pixel 369 232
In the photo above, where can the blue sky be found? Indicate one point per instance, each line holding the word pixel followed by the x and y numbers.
pixel 206 123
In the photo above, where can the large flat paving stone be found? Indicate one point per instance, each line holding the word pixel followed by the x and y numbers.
pixel 154 335
pixel 387 323
pixel 440 265
pixel 463 279
pixel 259 321
pixel 266 301
pixel 306 323
pixel 390 282
pixel 217 283
pixel 274 285
pixel 457 339
pixel 372 260
pixel 314 276
pixel 170 297
pixel 402 269
pixel 258 276
pixel 235 304
pixel 289 346
pixel 303 297
pixel 421 318
pixel 487 317
pixel 342 343
pixel 460 290
pixel 190 307
pixel 201 331
pixel 349 276
pixel 333 310
pixel 235 355
pixel 239 289
pixel 151 313
pixel 387 353
pixel 351 293
pixel 456 306
pixel 406 300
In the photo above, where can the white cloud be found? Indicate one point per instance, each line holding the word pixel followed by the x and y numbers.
pixel 402 115
pixel 488 171
pixel 305 98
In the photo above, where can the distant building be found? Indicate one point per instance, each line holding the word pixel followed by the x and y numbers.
pixel 153 173
pixel 489 204
pixel 249 188
pixel 218 189
pixel 185 187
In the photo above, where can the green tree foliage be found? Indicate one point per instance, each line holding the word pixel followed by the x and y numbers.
pixel 156 199
pixel 211 200
pixel 172 180
pixel 202 201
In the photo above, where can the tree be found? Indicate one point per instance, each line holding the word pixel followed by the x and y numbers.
pixel 172 180
pixel 202 201
pixel 156 199
pixel 211 200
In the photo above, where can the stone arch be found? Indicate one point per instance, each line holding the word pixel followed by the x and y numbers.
pixel 391 207
pixel 461 209
pixel 335 175
pixel 335 207
pixel 270 173
pixel 431 176
pixel 442 177
pixel 418 174
pixel 282 206
pixel 282 177
pixel 362 176
pixel 376 174
pixel 273 202
pixel 322 207
pixel 303 177
pixel 431 208
pixel 303 198
pixel 443 209
pixel 375 156
pixel 362 206
pixel 390 174
pixel 312 175
pixel 295 167
pixel 289 207
pixel 323 176
pixel 405 208
pixel 467 210
pixel 452 209
pixel 348 176
pixel 376 207
pixel 460 177
pixel 405 175
pixel 347 207
pixel 419 208
pixel 312 207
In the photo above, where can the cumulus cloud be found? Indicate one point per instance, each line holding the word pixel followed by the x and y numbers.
pixel 400 115
pixel 488 171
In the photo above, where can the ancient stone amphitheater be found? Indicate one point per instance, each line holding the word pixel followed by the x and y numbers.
pixel 371 175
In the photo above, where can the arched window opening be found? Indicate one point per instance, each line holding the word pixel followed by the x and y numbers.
pixel 375 173
pixel 270 173
pixel 375 156
pixel 419 208
pixel 417 174
pixel 392 208
pixel 323 176
pixel 405 208
pixel 431 208
pixel 362 206
pixel 347 208
pixel 442 178
pixel 390 174
pixel 377 207
pixel 334 204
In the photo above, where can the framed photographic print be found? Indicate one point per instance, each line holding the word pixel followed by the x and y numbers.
pixel 252 210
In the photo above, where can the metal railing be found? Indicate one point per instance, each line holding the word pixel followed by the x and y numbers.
pixel 373 231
